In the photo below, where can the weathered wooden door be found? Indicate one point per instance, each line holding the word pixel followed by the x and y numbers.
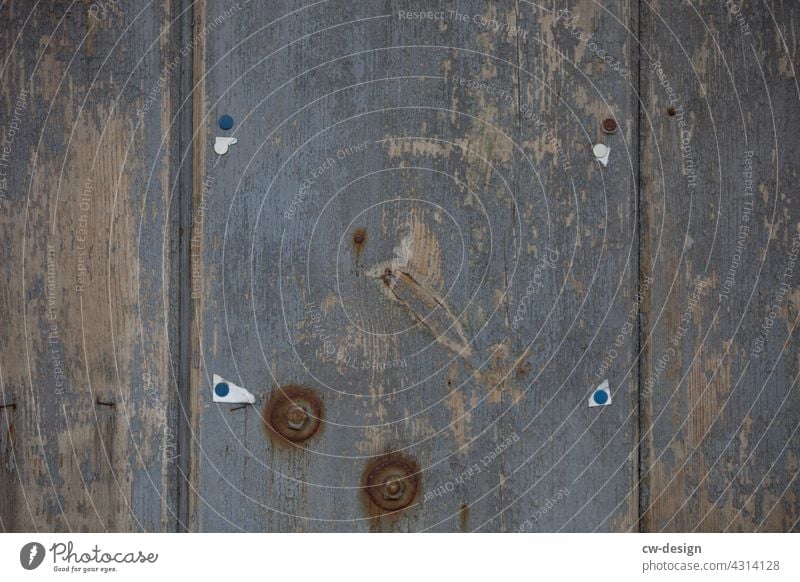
pixel 410 256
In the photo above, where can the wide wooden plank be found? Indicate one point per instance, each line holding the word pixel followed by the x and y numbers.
pixel 291 296
pixel 720 238
pixel 88 436
pixel 369 238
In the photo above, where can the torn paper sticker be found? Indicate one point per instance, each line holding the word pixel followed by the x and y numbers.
pixel 225 391
pixel 601 153
pixel 601 395
pixel 221 144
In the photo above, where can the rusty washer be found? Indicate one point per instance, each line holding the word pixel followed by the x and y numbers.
pixel 294 413
pixel 391 482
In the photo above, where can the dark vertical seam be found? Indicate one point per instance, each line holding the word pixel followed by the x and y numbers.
pixel 640 224
pixel 516 185
pixel 518 69
pixel 185 189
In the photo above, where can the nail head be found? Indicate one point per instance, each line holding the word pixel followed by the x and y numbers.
pixel 609 126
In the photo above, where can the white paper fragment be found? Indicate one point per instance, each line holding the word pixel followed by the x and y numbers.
pixel 221 144
pixel 601 153
pixel 226 391
pixel 601 395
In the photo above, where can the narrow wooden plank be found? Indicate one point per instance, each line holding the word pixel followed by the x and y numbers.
pixel 573 302
pixel 85 377
pixel 720 226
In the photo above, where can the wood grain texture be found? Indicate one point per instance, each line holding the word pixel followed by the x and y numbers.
pixel 444 142
pixel 576 284
pixel 412 227
pixel 85 368
pixel 288 297
pixel 720 401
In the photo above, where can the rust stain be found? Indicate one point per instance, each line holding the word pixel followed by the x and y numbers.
pixel 292 415
pixel 359 239
pixel 391 483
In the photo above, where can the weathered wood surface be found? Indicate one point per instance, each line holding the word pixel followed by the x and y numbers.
pixel 85 375
pixel 577 319
pixel 720 405
pixel 480 190
pixel 290 298
pixel 412 226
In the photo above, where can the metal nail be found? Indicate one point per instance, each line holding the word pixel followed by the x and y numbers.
pixel 609 126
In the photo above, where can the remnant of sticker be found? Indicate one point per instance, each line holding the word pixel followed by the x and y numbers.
pixel 228 392
pixel 221 144
pixel 601 396
pixel 601 153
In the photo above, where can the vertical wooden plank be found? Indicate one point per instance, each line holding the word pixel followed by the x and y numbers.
pixel 720 235
pixel 573 304
pixel 87 387
pixel 345 97
pixel 380 136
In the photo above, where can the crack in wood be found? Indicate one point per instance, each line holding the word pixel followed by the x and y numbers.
pixel 412 292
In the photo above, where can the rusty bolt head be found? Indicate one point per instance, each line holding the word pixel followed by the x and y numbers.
pixel 296 417
pixel 609 126
pixel 293 413
pixel 393 488
pixel 391 482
